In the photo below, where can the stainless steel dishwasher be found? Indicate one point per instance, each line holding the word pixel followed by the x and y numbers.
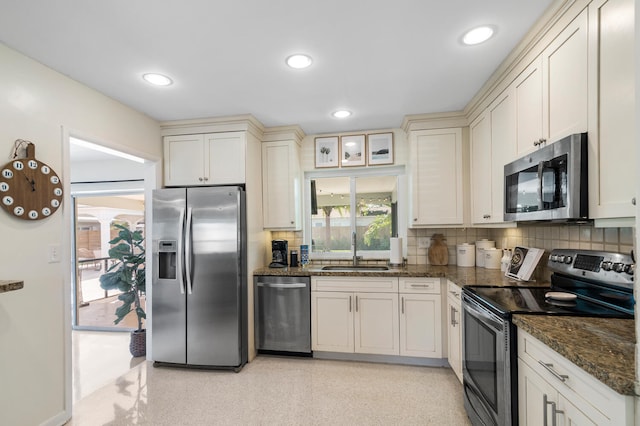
pixel 283 314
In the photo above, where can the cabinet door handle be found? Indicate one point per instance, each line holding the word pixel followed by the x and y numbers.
pixel 402 304
pixel 486 216
pixel 549 368
pixel 349 303
pixel 453 316
pixel 554 411
pixel 633 201
pixel 356 303
pixel 456 294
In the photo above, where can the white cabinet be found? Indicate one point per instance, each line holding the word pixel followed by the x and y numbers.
pixel 551 94
pixel 565 64
pixel 527 92
pixel 552 386
pixel 281 185
pixel 492 135
pixel 612 149
pixel 355 315
pixel 436 177
pixel 205 159
pixel 420 317
pixel 454 328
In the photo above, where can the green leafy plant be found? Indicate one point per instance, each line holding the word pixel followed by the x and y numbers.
pixel 127 274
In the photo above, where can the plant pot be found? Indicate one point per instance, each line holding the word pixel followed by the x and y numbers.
pixel 138 343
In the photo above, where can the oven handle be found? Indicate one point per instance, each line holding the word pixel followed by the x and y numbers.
pixel 483 314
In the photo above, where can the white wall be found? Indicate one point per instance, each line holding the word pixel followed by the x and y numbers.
pixel 41 105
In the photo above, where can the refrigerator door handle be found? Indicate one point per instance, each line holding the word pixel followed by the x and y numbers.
pixel 181 254
pixel 187 250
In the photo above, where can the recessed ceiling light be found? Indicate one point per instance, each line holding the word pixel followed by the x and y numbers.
pixel 157 79
pixel 478 35
pixel 341 113
pixel 299 61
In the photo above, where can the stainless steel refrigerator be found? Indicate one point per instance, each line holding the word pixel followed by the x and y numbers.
pixel 199 295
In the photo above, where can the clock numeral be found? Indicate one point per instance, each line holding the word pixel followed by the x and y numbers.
pixel 7 201
pixel 18 165
pixel 4 186
pixel 6 173
pixel 57 192
pixel 33 214
pixel 54 180
pixel 55 203
pixel 33 164
pixel 18 211
pixel 46 211
pixel 45 170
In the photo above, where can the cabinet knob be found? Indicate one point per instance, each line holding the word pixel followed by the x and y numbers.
pixel 539 142
pixel 206 179
pixel 200 179
pixel 486 216
pixel 415 219
pixel 292 222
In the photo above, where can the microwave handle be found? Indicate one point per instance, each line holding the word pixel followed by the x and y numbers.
pixel 540 172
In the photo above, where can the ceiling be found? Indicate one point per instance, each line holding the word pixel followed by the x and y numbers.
pixel 380 60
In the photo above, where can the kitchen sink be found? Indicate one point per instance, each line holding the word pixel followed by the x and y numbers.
pixel 355 268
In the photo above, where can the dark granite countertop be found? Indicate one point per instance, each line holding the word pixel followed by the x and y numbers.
pixel 603 347
pixel 10 285
pixel 459 275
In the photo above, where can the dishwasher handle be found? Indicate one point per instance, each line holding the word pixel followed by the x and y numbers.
pixel 280 285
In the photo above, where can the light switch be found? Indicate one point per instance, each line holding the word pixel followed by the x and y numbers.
pixel 54 253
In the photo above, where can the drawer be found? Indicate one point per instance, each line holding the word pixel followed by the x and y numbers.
pixel 360 284
pixel 453 290
pixel 568 378
pixel 419 285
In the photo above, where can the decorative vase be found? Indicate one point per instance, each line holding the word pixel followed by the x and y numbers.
pixel 138 343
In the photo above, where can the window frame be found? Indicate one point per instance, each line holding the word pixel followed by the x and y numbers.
pixel 398 171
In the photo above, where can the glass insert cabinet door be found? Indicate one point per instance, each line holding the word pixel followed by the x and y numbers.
pixel 343 205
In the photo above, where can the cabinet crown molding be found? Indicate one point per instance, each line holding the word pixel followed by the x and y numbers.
pixel 441 120
pixel 281 133
pixel 237 123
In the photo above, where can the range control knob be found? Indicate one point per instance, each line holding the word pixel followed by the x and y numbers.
pixel 568 260
pixel 560 258
pixel 630 269
pixel 606 265
pixel 553 257
pixel 618 267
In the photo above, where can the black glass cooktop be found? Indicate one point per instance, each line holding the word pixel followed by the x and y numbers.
pixel 532 300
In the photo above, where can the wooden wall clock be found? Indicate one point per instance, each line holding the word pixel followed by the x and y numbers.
pixel 29 188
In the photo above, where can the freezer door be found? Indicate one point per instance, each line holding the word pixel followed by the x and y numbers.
pixel 214 300
pixel 168 319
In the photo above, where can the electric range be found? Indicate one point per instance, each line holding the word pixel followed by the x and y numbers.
pixel 583 283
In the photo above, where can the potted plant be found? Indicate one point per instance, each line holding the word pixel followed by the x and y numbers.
pixel 127 275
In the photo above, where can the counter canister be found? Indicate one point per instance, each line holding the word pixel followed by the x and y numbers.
pixel 492 258
pixel 466 254
pixel 480 246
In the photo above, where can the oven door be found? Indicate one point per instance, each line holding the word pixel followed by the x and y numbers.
pixel 486 365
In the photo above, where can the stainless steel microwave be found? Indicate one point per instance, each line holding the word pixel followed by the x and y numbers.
pixel 549 184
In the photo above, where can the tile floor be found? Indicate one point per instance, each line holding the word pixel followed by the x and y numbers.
pixel 276 390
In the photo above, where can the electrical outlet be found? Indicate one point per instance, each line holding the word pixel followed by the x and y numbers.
pixel 423 242
pixel 54 253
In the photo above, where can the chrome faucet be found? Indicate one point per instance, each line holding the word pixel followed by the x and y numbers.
pixel 355 251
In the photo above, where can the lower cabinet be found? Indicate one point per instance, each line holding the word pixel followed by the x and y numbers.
pixel 377 315
pixel 361 321
pixel 552 390
pixel 454 328
pixel 420 317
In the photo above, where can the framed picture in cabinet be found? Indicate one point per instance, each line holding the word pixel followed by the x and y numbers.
pixel 326 152
pixel 380 148
pixel 352 151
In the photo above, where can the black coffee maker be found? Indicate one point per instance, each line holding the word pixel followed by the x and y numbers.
pixel 279 250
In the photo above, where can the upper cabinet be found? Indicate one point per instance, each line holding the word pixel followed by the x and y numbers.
pixel 613 171
pixel 281 185
pixel 491 135
pixel 205 159
pixel 436 177
pixel 551 96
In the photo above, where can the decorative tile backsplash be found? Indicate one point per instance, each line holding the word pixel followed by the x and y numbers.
pixel 547 236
